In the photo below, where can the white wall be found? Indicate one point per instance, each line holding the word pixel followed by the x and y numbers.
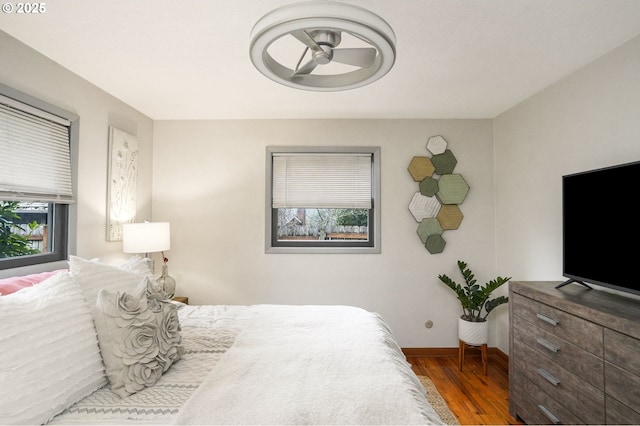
pixel 26 70
pixel 588 120
pixel 209 182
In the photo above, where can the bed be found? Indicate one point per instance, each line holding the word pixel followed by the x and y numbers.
pixel 259 364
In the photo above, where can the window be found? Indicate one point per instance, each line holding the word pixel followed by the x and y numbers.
pixel 36 190
pixel 323 200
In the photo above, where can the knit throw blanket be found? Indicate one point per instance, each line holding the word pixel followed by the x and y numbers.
pixel 311 365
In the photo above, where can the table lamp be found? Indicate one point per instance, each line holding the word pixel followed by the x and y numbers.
pixel 150 237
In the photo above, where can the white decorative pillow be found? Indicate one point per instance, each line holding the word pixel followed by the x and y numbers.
pixel 139 335
pixel 50 357
pixel 93 276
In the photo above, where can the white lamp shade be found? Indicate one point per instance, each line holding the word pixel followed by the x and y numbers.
pixel 146 237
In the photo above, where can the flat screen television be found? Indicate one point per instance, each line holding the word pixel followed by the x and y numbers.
pixel 601 227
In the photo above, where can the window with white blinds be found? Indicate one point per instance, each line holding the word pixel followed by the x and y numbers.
pixel 341 180
pixel 322 199
pixel 35 163
pixel 38 142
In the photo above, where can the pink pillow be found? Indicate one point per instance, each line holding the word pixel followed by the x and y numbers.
pixel 13 284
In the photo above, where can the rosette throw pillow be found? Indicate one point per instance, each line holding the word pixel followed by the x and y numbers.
pixel 139 336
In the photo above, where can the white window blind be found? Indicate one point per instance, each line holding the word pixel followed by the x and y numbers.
pixel 35 160
pixel 321 180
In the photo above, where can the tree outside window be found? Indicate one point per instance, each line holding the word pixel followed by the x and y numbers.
pixel 17 237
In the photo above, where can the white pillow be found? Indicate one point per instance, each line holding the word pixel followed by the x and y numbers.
pixel 139 335
pixel 93 276
pixel 50 357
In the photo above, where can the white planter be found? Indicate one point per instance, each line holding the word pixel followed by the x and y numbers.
pixel 473 333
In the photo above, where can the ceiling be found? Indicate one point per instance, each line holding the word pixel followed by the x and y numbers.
pixel 188 59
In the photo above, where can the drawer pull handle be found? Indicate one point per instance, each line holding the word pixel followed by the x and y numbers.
pixel 548 345
pixel 548 376
pixel 548 414
pixel 547 319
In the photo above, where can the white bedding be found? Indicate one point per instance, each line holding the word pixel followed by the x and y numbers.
pixel 207 332
pixel 269 364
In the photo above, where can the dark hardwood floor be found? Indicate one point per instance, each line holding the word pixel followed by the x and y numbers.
pixel 474 398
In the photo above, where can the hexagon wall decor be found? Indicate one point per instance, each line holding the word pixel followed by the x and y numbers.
pixel 452 189
pixel 444 163
pixel 436 205
pixel 436 145
pixel 420 168
pixel 450 216
pixel 422 207
pixel 429 187
pixel 429 226
pixel 435 244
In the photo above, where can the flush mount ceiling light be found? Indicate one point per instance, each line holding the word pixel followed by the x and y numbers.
pixel 322 45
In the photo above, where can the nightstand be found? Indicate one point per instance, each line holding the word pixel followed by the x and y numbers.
pixel 181 299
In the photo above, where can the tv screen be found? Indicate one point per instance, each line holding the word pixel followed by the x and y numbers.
pixel 601 227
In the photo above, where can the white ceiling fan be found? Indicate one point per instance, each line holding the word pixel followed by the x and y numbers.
pixel 319 27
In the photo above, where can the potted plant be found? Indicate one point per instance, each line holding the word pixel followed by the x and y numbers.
pixel 472 325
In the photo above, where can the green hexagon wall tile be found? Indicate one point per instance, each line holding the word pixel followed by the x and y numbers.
pixel 452 189
pixel 428 187
pixel 444 163
pixel 435 244
pixel 429 226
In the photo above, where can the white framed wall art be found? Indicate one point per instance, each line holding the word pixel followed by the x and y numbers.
pixel 122 182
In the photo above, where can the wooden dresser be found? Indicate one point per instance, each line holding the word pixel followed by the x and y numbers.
pixel 574 355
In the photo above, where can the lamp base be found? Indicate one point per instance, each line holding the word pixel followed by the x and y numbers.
pixel 150 263
pixel 167 282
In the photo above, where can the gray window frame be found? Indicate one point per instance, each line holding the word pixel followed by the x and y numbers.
pixel 342 247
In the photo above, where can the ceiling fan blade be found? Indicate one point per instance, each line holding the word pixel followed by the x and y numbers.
pixel 305 69
pixel 305 37
pixel 360 57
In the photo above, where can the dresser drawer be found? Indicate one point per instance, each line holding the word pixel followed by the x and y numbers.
pixel 578 396
pixel 620 414
pixel 623 386
pixel 539 407
pixel 573 358
pixel 622 372
pixel 622 350
pixel 566 326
